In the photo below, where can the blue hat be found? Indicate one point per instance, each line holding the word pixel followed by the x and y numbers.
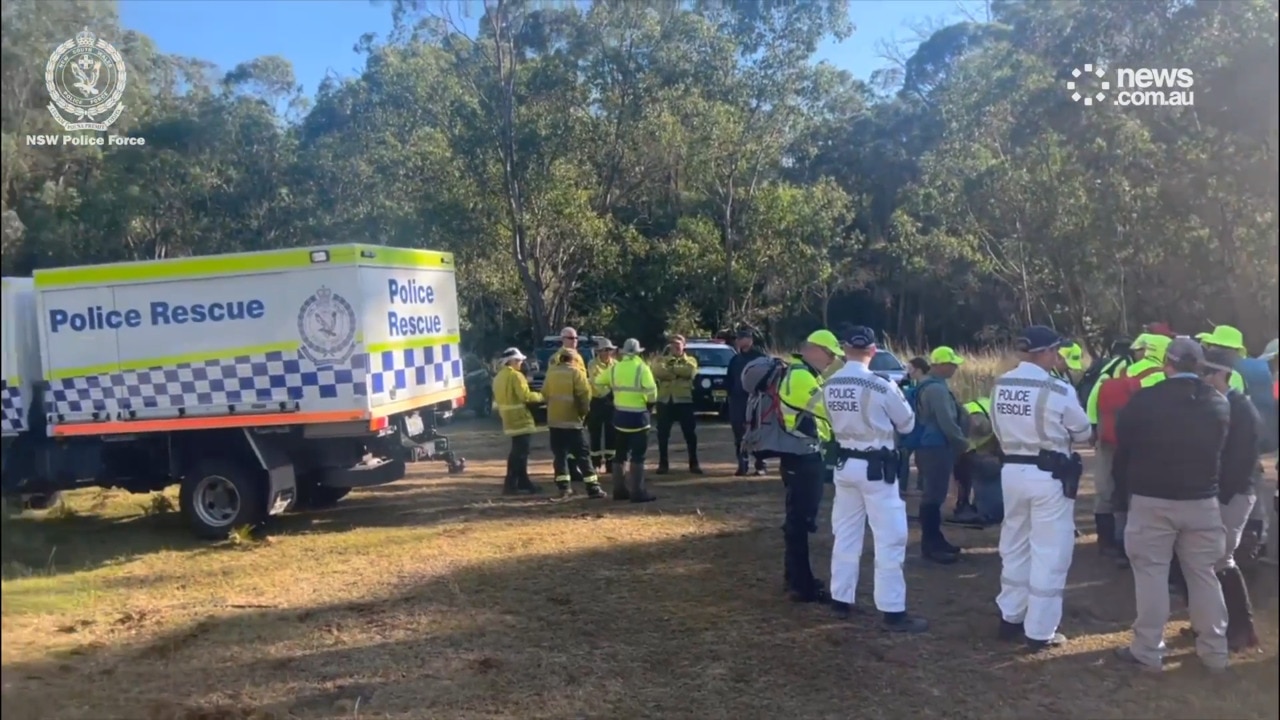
pixel 1037 338
pixel 858 337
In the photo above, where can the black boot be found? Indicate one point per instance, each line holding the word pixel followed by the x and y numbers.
pixel 663 466
pixel 903 623
pixel 694 466
pixel 1058 640
pixel 1241 634
pixel 638 492
pixel 563 490
pixel 933 546
pixel 743 470
pixel 620 491
pixel 1011 632
pixel 1106 528
pixel 525 485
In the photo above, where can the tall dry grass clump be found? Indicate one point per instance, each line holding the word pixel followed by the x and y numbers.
pixel 975 377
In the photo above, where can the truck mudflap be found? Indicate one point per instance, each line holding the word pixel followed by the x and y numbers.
pixel 369 472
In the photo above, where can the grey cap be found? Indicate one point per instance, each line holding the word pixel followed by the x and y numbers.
pixel 632 347
pixel 1183 349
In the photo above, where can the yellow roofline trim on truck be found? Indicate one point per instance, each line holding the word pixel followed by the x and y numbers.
pixel 413 343
pixel 170 360
pixel 267 261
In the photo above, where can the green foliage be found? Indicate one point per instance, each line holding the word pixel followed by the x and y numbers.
pixel 638 168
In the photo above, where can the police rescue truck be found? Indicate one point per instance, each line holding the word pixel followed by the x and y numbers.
pixel 257 382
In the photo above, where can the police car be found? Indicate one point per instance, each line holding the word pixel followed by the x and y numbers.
pixel 711 384
pixel 888 366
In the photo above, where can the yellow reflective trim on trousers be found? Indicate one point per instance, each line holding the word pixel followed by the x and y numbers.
pixel 511 407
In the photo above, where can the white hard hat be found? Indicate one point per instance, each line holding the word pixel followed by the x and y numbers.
pixel 631 347
pixel 512 354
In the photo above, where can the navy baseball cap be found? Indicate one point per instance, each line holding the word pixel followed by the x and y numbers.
pixel 1038 338
pixel 858 337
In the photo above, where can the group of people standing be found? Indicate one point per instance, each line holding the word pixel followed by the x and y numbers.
pixel 599 415
pixel 1178 463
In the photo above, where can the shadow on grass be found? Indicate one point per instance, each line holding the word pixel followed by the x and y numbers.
pixel 694 627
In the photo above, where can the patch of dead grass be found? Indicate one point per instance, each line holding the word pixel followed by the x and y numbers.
pixel 435 598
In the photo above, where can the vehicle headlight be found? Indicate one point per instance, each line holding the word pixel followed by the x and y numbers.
pixel 706 383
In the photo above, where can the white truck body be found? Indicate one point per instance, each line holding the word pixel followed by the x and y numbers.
pixel 339 333
pixel 19 354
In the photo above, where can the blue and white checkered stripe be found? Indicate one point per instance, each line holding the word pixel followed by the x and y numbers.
pixel 14 408
pixel 414 371
pixel 268 377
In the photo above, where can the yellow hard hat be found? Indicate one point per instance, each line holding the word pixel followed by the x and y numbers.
pixel 1156 345
pixel 1224 336
pixel 1073 354
pixel 826 340
pixel 943 355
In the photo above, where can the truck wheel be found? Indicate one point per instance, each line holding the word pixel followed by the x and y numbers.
pixel 216 497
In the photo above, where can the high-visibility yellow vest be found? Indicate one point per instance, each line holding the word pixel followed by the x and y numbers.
pixel 631 382
pixel 803 409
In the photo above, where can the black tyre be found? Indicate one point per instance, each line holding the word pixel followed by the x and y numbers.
pixel 218 496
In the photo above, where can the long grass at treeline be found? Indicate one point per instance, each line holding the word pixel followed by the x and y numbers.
pixel 976 376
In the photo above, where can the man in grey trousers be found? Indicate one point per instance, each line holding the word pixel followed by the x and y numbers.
pixel 1169 442
pixel 944 437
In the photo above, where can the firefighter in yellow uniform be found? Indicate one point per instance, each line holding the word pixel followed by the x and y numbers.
pixel 600 419
pixel 674 371
pixel 630 382
pixel 568 396
pixel 805 413
pixel 512 395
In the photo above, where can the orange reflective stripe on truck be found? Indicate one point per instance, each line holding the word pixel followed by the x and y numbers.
pixel 118 427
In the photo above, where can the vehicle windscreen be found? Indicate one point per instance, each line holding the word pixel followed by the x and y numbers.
pixel 711 357
pixel 884 362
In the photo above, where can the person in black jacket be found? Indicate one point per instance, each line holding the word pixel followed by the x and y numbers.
pixel 1169 444
pixel 747 351
pixel 1238 478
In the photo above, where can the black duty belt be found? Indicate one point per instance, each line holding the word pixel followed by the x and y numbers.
pixel 1021 459
pixel 861 454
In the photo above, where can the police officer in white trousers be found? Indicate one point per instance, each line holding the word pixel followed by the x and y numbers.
pixel 1036 417
pixel 867 414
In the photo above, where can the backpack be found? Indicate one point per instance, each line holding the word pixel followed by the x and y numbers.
pixel 764 430
pixel 1113 395
pixel 1257 387
pixel 1095 373
pixel 911 441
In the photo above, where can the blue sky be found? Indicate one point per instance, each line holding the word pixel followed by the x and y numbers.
pixel 317 36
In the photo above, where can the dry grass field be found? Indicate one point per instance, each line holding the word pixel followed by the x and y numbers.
pixel 436 598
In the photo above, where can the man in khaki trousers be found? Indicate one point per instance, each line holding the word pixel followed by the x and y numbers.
pixel 1169 441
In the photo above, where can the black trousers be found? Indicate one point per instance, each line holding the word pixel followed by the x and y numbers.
pixel 668 415
pixel 631 446
pixel 739 427
pixel 569 455
pixel 802 475
pixel 964 479
pixel 518 462
pixel 600 428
